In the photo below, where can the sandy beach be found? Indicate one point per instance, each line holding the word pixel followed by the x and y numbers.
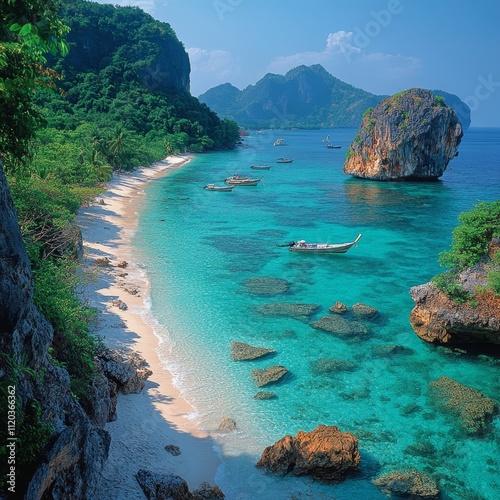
pixel 157 417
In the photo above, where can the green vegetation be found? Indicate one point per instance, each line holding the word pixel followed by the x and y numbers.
pixel 470 245
pixel 439 100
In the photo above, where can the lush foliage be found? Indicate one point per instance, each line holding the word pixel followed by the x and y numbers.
pixel 471 239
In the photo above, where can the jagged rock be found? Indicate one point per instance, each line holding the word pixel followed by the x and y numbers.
pixel 338 308
pixel 120 304
pixel 363 311
pixel 473 410
pixel 123 264
pixel 207 492
pixel 408 484
pixel 266 286
pixel 325 453
pixel 77 449
pixel 341 326
pixel 102 261
pixel 410 135
pixel 163 486
pixel 174 450
pixel 291 309
pixel 227 425
pixel 266 376
pixel 241 351
pixel 325 365
pixel 122 370
pixel 438 319
pixel 264 395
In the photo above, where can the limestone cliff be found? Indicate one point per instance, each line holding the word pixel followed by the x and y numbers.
pixel 438 319
pixel 77 448
pixel 412 135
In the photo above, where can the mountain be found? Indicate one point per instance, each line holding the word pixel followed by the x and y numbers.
pixel 305 97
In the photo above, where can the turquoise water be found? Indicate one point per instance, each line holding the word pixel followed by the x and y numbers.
pixel 198 247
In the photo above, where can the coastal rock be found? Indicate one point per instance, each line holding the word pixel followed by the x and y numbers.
pixel 208 492
pixel 266 286
pixel 338 308
pixel 408 484
pixel 294 310
pixel 363 311
pixel 76 449
pixel 173 449
pixel 341 326
pixel 266 376
pixel 227 425
pixel 264 395
pixel 438 319
pixel 163 486
pixel 122 370
pixel 324 366
pixel 473 410
pixel 412 135
pixel 243 352
pixel 325 453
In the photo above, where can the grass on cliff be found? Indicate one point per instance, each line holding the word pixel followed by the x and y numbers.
pixel 471 244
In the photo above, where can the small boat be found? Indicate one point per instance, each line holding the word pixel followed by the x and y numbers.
pixel 260 167
pixel 302 246
pixel 327 138
pixel 213 187
pixel 279 142
pixel 240 180
pixel 331 146
pixel 285 160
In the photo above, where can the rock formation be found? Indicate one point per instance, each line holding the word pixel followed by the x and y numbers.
pixel 267 285
pixel 266 376
pixel 243 352
pixel 294 310
pixel 472 408
pixel 412 135
pixel 78 448
pixel 438 319
pixel 325 453
pixel 408 484
pixel 338 325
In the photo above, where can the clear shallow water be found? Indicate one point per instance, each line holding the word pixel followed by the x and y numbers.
pixel 198 247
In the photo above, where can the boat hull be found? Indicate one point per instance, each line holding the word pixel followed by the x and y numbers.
pixel 303 247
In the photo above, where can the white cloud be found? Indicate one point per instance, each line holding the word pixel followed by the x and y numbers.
pixel 211 67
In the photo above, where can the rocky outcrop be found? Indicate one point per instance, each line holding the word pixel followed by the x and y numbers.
pixel 325 453
pixel 473 409
pixel 171 487
pixel 266 286
pixel 340 326
pixel 77 448
pixel 295 310
pixel 438 319
pixel 412 135
pixel 244 352
pixel 266 376
pixel 408 484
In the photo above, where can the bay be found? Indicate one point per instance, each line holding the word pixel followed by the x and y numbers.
pixel 200 248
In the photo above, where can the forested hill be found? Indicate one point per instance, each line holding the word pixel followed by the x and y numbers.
pixel 306 97
pixel 125 69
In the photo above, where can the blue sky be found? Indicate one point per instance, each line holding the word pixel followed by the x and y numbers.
pixel 382 46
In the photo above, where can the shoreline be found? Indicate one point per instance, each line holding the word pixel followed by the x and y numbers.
pixel 158 415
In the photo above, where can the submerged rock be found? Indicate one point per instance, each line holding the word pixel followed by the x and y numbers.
pixel 411 135
pixel 473 410
pixel 227 425
pixel 266 376
pixel 338 308
pixel 363 311
pixel 264 395
pixel 291 309
pixel 341 326
pixel 243 352
pixel 266 285
pixel 408 484
pixel 389 350
pixel 325 366
pixel 325 453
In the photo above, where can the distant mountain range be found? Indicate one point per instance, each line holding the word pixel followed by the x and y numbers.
pixel 306 97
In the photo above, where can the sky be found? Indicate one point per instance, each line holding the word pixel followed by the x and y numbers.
pixel 381 46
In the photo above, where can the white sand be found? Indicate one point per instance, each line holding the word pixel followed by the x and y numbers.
pixel 156 417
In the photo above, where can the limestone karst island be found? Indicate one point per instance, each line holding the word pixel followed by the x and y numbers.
pixel 237 264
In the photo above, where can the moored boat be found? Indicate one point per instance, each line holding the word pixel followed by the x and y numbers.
pixel 260 167
pixel 331 146
pixel 302 246
pixel 240 180
pixel 285 160
pixel 213 187
pixel 279 142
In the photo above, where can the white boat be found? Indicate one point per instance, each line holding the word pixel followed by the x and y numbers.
pixel 327 139
pixel 279 142
pixel 285 160
pixel 260 167
pixel 240 180
pixel 302 246
pixel 213 187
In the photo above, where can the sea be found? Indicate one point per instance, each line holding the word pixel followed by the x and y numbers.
pixel 202 252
